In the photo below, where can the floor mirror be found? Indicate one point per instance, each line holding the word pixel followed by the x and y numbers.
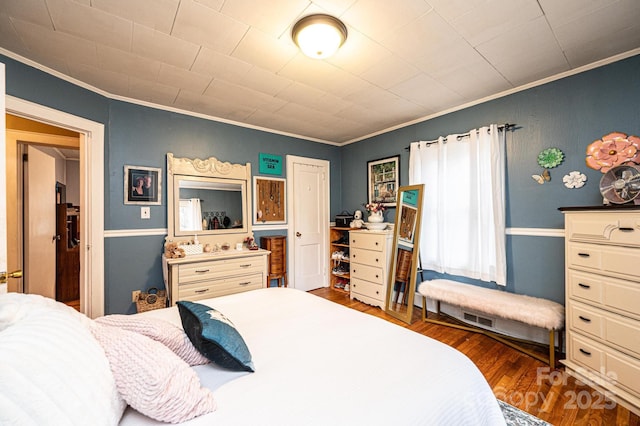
pixel 404 257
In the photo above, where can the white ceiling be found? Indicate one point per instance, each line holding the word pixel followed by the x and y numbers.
pixel 233 60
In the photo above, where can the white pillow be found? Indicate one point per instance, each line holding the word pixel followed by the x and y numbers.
pixel 151 378
pixel 161 331
pixel 52 370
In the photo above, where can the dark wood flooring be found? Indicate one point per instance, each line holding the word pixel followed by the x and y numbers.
pixel 516 378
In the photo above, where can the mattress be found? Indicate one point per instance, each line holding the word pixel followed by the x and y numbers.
pixel 320 363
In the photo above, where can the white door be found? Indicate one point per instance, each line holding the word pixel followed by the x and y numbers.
pixel 308 187
pixel 40 223
pixel 3 188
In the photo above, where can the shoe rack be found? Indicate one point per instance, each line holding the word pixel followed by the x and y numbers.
pixel 338 267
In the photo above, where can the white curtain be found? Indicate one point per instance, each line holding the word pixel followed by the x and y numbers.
pixel 463 222
pixel 190 215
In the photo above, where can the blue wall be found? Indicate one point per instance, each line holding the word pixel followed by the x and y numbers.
pixel 568 114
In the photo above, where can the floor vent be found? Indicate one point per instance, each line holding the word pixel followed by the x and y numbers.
pixel 487 322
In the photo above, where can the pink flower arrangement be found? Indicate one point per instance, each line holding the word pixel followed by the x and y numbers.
pixel 612 150
pixel 374 207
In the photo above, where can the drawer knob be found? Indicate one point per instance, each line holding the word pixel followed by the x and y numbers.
pixel 377 276
pixel 585 319
pixel 584 285
pixel 583 254
pixel 202 271
pixel 202 291
pixel 245 283
pixel 377 292
pixel 626 229
pixel 246 265
pixel 353 255
pixel 587 353
pixel 376 243
pixel 354 271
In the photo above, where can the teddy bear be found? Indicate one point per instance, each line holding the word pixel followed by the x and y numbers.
pixel 357 221
pixel 173 251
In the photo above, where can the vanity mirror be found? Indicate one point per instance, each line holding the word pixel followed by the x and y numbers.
pixel 209 198
pixel 404 257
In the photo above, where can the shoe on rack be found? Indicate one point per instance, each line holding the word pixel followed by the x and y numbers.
pixel 341 240
pixel 347 286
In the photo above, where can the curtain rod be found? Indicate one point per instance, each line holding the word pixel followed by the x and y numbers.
pixel 505 127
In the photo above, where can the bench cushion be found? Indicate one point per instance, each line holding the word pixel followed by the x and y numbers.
pixel 527 309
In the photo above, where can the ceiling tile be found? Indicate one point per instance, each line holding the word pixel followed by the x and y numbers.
pixel 273 17
pixel 204 26
pixel 10 38
pixel 150 91
pixel 264 50
pixel 389 72
pixel 128 63
pixel 183 79
pixel 565 11
pixel 243 96
pixel 162 47
pixel 210 62
pixel 425 91
pixel 155 14
pixel 378 18
pixel 109 81
pixel 91 24
pixel 34 11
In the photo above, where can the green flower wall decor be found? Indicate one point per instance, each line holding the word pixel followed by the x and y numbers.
pixel 550 158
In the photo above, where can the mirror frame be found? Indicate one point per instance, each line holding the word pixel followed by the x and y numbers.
pixel 405 315
pixel 209 169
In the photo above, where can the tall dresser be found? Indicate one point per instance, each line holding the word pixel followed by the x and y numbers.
pixel 602 252
pixel 369 256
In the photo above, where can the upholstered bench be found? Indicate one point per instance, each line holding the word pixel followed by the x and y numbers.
pixel 533 311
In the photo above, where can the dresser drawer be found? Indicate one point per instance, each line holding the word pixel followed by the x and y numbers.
pixel 375 291
pixel 619 228
pixel 587 320
pixel 211 270
pixel 365 272
pixel 366 241
pixel 624 370
pixel 222 287
pixel 585 286
pixel 367 257
pixel 585 352
pixel 620 261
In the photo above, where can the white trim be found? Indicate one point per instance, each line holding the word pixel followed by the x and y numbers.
pixel 270 227
pixel 91 195
pixel 117 233
pixel 559 76
pixel 536 232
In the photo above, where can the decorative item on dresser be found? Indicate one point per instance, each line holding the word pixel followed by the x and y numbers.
pixel 602 252
pixel 277 260
pixel 339 277
pixel 370 255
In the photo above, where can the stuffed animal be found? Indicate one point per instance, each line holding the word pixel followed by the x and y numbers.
pixel 357 221
pixel 173 251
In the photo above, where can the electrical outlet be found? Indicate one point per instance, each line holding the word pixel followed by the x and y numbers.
pixel 145 212
pixel 134 295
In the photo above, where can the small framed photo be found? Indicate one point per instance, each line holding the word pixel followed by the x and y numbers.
pixel 142 185
pixel 382 180
pixel 269 200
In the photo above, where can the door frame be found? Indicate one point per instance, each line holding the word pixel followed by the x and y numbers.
pixel 291 229
pixel 91 195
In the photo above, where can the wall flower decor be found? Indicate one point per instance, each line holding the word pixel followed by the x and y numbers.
pixel 550 158
pixel 612 150
pixel 574 180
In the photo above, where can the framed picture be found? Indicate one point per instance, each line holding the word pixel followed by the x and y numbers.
pixel 142 185
pixel 269 200
pixel 382 180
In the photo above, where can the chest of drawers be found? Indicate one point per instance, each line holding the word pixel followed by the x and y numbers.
pixel 602 253
pixel 211 275
pixel 369 256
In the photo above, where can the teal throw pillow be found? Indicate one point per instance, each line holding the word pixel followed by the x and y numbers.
pixel 215 336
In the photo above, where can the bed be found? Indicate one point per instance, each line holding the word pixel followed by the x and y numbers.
pixel 320 363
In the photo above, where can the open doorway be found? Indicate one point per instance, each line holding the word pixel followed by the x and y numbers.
pixel 44 180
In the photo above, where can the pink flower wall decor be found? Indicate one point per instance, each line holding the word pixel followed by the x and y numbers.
pixel 612 150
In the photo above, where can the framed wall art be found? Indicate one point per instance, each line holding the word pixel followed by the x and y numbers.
pixel 382 180
pixel 269 200
pixel 142 185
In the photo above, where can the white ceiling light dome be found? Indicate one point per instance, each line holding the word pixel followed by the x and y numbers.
pixel 319 36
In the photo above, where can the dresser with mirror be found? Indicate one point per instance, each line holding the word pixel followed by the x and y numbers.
pixel 208 204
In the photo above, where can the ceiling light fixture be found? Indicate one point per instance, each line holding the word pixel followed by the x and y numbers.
pixel 319 36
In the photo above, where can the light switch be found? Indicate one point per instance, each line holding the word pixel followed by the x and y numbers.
pixel 145 212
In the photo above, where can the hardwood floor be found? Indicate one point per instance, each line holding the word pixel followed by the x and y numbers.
pixel 516 378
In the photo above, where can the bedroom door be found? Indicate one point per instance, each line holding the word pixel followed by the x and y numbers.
pixel 3 188
pixel 308 186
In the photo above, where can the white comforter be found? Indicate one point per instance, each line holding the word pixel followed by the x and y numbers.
pixel 320 363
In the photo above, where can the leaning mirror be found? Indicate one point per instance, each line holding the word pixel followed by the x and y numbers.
pixel 404 257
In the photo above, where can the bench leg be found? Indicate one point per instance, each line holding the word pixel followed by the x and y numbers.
pixel 552 348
